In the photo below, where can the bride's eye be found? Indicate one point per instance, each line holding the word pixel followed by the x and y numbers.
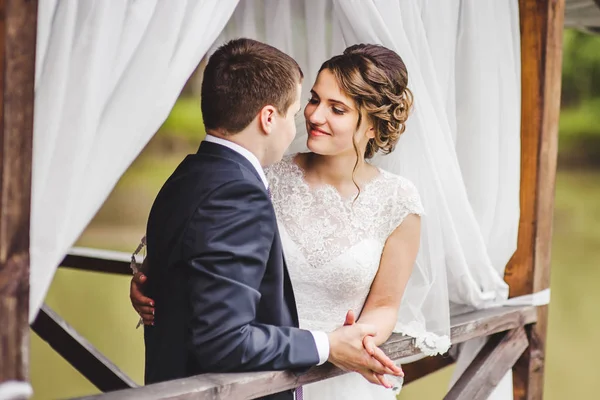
pixel 313 100
pixel 337 111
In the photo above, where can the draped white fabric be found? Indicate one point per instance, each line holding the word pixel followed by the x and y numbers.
pixel 107 75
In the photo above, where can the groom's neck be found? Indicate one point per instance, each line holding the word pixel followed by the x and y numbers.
pixel 251 141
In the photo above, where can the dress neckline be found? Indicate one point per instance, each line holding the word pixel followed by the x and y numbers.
pixel 300 173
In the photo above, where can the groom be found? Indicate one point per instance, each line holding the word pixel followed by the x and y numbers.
pixel 224 301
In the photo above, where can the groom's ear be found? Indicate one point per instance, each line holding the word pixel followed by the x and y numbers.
pixel 266 118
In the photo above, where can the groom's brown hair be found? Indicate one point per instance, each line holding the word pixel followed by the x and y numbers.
pixel 242 77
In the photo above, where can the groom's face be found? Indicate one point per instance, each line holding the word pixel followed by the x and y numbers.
pixel 285 130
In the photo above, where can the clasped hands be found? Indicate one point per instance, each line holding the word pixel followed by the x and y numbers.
pixel 352 348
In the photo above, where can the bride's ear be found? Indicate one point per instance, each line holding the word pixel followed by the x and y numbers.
pixel 371 132
pixel 266 119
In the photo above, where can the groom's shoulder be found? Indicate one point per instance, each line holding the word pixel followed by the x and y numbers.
pixel 203 172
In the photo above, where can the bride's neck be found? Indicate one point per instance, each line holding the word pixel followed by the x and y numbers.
pixel 334 170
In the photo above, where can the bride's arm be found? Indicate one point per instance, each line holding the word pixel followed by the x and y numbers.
pixel 397 260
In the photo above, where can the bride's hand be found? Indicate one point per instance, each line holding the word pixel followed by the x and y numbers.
pixel 143 305
pixel 374 351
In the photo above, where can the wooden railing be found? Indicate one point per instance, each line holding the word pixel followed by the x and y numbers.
pixel 80 353
pixel 505 325
pixel 498 358
pixel 106 376
pixel 96 260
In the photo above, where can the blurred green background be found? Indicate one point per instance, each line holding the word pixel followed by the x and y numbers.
pixel 97 305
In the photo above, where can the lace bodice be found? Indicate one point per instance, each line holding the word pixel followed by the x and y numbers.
pixel 333 245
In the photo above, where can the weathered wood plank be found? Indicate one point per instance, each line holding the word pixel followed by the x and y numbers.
pixel 494 360
pixel 541 24
pixel 17 64
pixel 86 259
pixel 80 353
pixel 541 60
pixel 252 385
pixel 468 326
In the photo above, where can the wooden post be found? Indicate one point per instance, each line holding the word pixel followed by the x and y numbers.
pixel 17 55
pixel 541 24
pixel 490 365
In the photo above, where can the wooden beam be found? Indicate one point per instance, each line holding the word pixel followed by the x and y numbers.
pixel 17 65
pixel 541 60
pixel 80 353
pixel 258 384
pixel 114 262
pixel 541 23
pixel 87 259
pixel 494 360
pixel 467 326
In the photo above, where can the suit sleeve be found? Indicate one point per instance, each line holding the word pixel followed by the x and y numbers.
pixel 228 242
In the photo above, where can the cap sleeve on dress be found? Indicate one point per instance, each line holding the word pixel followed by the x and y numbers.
pixel 410 200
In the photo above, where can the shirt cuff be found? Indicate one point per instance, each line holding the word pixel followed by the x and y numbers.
pixel 322 342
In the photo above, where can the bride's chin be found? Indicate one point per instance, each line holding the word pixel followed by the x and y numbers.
pixel 315 147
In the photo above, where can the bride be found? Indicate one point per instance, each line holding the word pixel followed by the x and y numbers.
pixel 350 231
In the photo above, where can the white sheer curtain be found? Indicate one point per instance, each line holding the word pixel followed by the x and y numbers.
pixel 469 92
pixel 107 75
pixel 437 170
pixel 488 113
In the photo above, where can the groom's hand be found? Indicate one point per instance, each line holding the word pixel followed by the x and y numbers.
pixel 143 305
pixel 348 353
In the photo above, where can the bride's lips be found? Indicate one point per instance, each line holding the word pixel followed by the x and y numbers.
pixel 314 131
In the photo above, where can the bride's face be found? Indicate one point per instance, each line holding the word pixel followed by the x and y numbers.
pixel 331 119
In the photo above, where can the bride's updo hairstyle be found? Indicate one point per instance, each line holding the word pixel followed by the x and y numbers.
pixel 375 78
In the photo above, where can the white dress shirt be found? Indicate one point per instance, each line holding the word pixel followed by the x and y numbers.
pixel 321 338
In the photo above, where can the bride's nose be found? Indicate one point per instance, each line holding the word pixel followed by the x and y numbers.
pixel 316 115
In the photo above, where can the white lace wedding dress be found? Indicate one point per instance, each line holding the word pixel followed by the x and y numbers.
pixel 333 246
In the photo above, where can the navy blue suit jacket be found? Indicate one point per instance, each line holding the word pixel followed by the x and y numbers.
pixel 224 300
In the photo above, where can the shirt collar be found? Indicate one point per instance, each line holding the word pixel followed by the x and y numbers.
pixel 247 154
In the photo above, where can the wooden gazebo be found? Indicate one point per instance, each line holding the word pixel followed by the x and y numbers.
pixel 518 333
